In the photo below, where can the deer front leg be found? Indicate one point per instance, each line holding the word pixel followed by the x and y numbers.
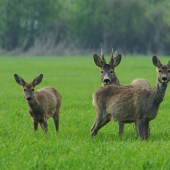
pixel 35 126
pixel 44 125
pixel 121 128
pixel 136 127
pixel 146 130
pixel 142 127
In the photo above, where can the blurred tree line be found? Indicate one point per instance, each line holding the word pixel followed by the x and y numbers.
pixel 129 26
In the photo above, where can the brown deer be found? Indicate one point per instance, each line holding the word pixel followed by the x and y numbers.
pixel 127 104
pixel 42 104
pixel 108 75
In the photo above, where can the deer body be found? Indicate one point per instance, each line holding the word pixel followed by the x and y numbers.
pixel 127 104
pixel 109 77
pixel 42 104
pixel 142 83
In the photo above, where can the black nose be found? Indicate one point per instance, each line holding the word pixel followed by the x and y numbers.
pixel 164 78
pixel 28 98
pixel 106 80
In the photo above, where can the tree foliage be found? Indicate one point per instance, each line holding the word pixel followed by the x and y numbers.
pixel 131 26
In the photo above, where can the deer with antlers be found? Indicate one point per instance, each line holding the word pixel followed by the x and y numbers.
pixel 127 104
pixel 109 77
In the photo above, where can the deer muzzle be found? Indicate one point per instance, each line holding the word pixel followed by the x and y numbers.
pixel 29 98
pixel 164 79
pixel 106 81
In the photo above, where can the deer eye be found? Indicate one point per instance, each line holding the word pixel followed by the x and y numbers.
pixel 160 71
pixel 111 71
pixel 168 71
pixel 32 89
pixel 24 89
pixel 101 71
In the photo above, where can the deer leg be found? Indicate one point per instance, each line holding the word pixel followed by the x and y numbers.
pixel 146 130
pixel 140 128
pixel 56 120
pixel 35 126
pixel 136 127
pixel 105 121
pixel 42 126
pixel 45 126
pixel 121 127
pixel 99 123
pixel 92 127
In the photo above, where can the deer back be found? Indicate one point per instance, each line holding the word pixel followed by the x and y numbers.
pixel 142 83
pixel 47 99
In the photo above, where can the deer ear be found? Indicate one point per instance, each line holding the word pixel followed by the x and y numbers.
pixel 97 60
pixel 37 80
pixel 19 80
pixel 115 61
pixel 156 62
pixel 168 64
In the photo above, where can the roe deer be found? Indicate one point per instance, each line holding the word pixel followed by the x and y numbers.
pixel 108 75
pixel 127 104
pixel 42 104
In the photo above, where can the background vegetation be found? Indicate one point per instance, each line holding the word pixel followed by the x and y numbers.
pixel 76 78
pixel 81 26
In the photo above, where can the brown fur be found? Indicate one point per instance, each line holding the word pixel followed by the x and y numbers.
pixel 42 104
pixel 142 83
pixel 127 104
pixel 108 70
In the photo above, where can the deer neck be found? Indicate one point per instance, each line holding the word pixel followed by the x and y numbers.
pixel 158 92
pixel 33 104
pixel 115 81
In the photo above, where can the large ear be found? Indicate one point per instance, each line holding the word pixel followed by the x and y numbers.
pixel 98 61
pixel 168 64
pixel 19 80
pixel 37 80
pixel 115 61
pixel 156 62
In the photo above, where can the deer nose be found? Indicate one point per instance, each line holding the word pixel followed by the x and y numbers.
pixel 106 80
pixel 28 98
pixel 164 78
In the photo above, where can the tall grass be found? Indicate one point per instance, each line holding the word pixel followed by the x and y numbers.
pixel 76 78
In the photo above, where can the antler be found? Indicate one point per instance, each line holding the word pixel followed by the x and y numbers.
pixel 104 61
pixel 112 53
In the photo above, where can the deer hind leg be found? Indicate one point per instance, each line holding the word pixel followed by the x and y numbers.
pixel 56 120
pixel 121 128
pixel 98 124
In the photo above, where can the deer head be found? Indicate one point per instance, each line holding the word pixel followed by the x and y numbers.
pixel 28 87
pixel 107 70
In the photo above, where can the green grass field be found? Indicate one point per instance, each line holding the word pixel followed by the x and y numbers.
pixel 76 78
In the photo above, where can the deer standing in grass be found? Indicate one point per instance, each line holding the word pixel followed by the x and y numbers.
pixel 108 75
pixel 42 104
pixel 127 104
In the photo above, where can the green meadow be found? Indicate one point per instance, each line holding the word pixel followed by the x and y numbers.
pixel 76 78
